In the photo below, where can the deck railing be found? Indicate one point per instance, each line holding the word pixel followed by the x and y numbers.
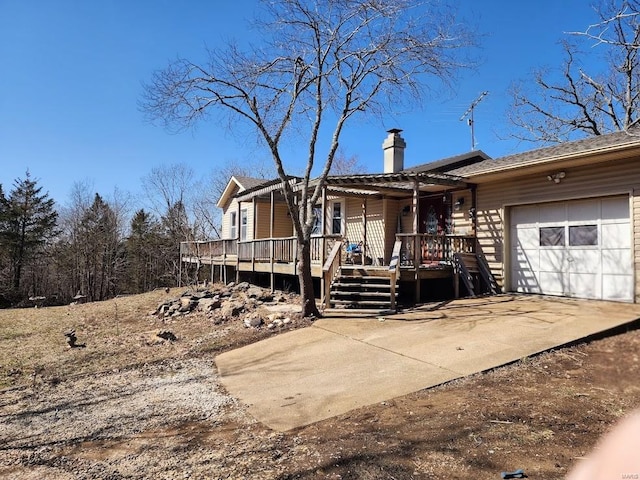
pixel 425 249
pixel 279 250
pixel 209 249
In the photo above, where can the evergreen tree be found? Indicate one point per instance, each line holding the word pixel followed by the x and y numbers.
pixel 100 250
pixel 28 222
pixel 144 268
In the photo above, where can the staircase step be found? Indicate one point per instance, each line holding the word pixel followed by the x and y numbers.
pixel 360 278
pixel 356 312
pixel 356 303
pixel 383 295
pixel 357 286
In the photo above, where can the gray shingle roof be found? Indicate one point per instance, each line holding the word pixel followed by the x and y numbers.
pixel 250 182
pixel 449 163
pixel 540 155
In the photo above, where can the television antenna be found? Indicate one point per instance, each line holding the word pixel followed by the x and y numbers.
pixel 469 113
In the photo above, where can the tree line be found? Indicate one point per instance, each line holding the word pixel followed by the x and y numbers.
pixel 91 248
pixel 101 247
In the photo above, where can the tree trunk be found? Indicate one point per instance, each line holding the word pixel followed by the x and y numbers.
pixel 309 307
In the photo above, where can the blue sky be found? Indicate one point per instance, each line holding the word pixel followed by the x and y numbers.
pixel 72 74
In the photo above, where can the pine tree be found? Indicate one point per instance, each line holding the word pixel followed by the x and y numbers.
pixel 28 221
pixel 100 250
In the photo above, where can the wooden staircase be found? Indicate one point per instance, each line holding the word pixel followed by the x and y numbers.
pixel 475 274
pixel 361 290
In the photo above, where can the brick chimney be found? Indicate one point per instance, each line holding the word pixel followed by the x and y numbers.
pixel 393 147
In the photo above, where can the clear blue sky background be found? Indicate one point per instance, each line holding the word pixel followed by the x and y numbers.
pixel 72 71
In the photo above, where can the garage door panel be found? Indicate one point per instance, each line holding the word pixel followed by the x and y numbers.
pixel 552 259
pixel 593 259
pixel 615 209
pixel 526 260
pixel 529 261
pixel 552 283
pixel 583 211
pixel 528 237
pixel 526 282
pixel 617 262
pixel 617 287
pixel 616 235
pixel 585 285
pixel 583 261
pixel 552 213
pixel 523 216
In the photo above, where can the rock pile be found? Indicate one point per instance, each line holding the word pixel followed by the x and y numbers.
pixel 227 302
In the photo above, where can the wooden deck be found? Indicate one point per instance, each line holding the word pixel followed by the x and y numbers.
pixel 422 256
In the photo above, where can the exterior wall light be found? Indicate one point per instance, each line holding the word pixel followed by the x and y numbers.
pixel 556 177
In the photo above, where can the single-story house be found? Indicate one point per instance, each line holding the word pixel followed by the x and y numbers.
pixel 562 220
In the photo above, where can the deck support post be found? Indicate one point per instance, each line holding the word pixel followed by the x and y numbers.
pixel 363 255
pixel 416 240
pixel 271 249
pixel 180 267
pixel 238 236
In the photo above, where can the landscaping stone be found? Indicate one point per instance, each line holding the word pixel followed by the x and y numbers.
pixel 254 321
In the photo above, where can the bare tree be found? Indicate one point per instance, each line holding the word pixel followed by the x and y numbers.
pixel 578 102
pixel 346 165
pixel 317 64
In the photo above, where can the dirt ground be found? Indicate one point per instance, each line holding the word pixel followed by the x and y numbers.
pixel 130 405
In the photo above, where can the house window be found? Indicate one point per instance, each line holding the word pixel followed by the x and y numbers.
pixel 337 219
pixel 243 224
pixel 233 232
pixel 551 236
pixel 583 235
pixel 317 220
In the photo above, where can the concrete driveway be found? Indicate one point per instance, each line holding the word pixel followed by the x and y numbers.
pixel 340 364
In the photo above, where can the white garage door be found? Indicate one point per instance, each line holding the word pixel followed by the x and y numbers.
pixel 577 249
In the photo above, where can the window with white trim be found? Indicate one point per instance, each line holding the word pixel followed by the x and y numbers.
pixel 337 218
pixel 243 224
pixel 317 220
pixel 233 225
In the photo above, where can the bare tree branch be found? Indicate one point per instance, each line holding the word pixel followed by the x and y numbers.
pixel 580 102
pixel 318 65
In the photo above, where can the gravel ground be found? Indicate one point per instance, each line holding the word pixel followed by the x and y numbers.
pixel 36 423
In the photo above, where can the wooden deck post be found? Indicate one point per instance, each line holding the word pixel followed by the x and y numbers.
pixel 271 249
pixel 180 266
pixel 416 241
pixel 363 255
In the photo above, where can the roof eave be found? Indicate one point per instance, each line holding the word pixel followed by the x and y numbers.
pixel 588 157
pixel 227 192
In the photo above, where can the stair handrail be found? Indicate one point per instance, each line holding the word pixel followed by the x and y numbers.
pixel 330 269
pixel 463 272
pixel 487 275
pixel 394 269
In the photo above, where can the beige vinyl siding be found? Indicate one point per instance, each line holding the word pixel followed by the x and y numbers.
pixel 406 218
pixel 353 215
pixel 391 210
pixel 375 225
pixel 494 200
pixel 263 218
pixel 226 219
pixel 462 224
pixel 282 225
pixel 635 225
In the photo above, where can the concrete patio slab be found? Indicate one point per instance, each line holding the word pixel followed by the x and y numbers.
pixel 339 364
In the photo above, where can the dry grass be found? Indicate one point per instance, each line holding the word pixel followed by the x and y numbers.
pixel 118 333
